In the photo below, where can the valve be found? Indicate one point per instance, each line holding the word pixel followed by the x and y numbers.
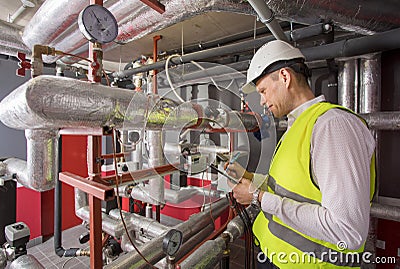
pixel 23 64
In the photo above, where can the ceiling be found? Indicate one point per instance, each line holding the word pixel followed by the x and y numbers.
pixel 360 16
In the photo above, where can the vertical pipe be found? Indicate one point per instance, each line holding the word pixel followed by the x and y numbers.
pixel 155 53
pixel 96 260
pixel 94 170
pixel 156 158
pixel 59 250
pixel 348 83
pixel 370 99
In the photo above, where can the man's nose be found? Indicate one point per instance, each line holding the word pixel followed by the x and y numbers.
pixel 262 100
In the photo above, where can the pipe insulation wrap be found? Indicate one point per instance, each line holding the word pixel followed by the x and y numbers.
pixel 10 39
pixel 152 250
pixel 41 168
pixel 135 20
pixel 57 102
pixel 385 211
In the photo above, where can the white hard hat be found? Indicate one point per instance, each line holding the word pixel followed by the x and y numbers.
pixel 270 53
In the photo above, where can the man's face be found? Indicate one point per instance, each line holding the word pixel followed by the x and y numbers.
pixel 273 94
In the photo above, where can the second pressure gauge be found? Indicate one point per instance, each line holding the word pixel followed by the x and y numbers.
pixel 98 24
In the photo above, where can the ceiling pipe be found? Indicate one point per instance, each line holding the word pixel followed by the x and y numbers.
pixel 25 4
pixel 220 51
pixel 345 48
pixel 266 16
pixel 56 26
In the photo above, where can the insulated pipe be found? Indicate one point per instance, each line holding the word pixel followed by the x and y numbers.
pixel 150 228
pixel 267 17
pixel 207 255
pixel 370 98
pixel 348 84
pixel 135 20
pixel 388 212
pixel 152 250
pixel 213 52
pixel 383 120
pixel 41 168
pixel 189 245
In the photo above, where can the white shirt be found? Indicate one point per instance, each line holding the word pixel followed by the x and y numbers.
pixel 341 150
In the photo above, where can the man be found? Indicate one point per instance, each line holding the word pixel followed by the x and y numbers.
pixel 315 202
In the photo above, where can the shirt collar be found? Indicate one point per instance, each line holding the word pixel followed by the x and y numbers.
pixel 295 113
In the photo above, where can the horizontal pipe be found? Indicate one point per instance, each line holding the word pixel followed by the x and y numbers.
pixel 152 250
pixel 384 41
pixel 383 120
pixel 375 120
pixel 204 54
pixel 388 212
pixel 210 253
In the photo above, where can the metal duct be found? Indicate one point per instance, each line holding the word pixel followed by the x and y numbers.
pixel 10 39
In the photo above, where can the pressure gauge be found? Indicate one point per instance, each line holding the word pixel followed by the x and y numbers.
pixel 98 24
pixel 172 242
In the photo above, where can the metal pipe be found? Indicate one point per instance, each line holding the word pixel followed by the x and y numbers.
pixel 348 83
pixel 152 250
pixel 211 252
pixel 357 46
pixel 17 13
pixel 267 17
pixel 383 120
pixel 146 227
pixel 388 212
pixel 209 53
pixel 41 168
pixel 135 20
pixel 190 244
pixel 370 98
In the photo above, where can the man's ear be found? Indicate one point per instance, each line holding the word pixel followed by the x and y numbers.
pixel 285 76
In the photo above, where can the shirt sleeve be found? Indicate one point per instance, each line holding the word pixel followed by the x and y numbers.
pixel 341 151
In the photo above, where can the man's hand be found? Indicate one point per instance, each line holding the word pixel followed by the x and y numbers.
pixel 241 191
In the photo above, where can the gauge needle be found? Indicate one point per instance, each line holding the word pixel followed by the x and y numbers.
pixel 95 17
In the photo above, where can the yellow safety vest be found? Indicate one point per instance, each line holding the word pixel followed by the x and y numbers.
pixel 289 176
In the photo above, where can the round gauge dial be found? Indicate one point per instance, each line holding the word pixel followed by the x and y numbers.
pixel 172 242
pixel 98 24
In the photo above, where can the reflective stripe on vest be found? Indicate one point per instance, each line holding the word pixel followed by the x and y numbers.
pixel 311 248
pixel 294 164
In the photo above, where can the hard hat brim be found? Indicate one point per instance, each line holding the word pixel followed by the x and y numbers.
pixel 249 87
